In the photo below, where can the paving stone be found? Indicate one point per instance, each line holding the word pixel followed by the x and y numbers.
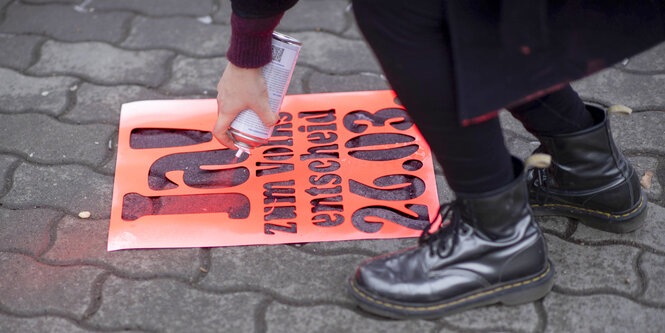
pixel 369 247
pixel 315 15
pixel 332 54
pixel 640 131
pixel 352 32
pixel 25 93
pixel 73 188
pixel 38 324
pixel 103 103
pixel 75 143
pixel 222 14
pixel 497 318
pixel 156 7
pixel 329 318
pixel 648 61
pixel 600 313
pixel 109 167
pixel 195 76
pixel 553 224
pixel 6 161
pixel 16 51
pixel 170 306
pixel 84 240
pixel 320 82
pixel 29 286
pixel 654 269
pixel 64 23
pixel 102 63
pixel 584 268
pixel 611 86
pixel 642 164
pixel 26 230
pixel 298 81
pixel 650 235
pixel 283 270
pixel 50 1
pixel 185 35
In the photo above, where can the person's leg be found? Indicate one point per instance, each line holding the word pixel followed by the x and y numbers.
pixel 492 250
pixel 589 179
pixel 411 42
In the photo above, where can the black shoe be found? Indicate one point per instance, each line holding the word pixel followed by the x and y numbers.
pixel 491 251
pixel 589 180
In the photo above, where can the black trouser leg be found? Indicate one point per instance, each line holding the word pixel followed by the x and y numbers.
pixel 411 41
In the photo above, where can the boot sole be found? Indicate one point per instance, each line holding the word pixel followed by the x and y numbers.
pixel 615 223
pixel 519 291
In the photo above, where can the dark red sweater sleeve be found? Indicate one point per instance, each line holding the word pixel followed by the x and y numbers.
pixel 251 40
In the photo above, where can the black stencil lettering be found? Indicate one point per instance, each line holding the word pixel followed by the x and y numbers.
pixel 135 205
pixel 193 173
pixel 388 154
pixel 277 154
pixel 320 138
pixel 318 166
pixel 412 165
pixel 368 219
pixel 377 150
pixel 325 220
pixel 380 118
pixel 318 116
pixel 280 130
pixel 272 168
pixel 325 180
pixel 319 152
pixel 323 204
pixel 314 191
pixel 292 228
pixel 146 138
pixel 286 142
pixel 413 188
pixel 282 191
pixel 312 128
pixel 279 213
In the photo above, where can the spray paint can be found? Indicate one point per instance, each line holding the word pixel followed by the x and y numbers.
pixel 247 130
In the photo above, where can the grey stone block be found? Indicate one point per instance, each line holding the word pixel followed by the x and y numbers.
pixel 283 270
pixel 35 139
pixel 497 318
pixel 611 86
pixel 102 103
pixel 330 318
pixel 69 248
pixel 195 76
pixel 72 188
pixel 332 54
pixel 553 224
pixel 650 60
pixel 26 230
pixel 156 7
pixel 642 131
pixel 16 51
pixel 585 268
pixel 320 82
pixel 600 313
pixel 369 247
pixel 25 93
pixel 40 2
pixel 38 324
pixel 222 14
pixel 64 23
pixel 650 235
pixel 298 81
pixel 315 15
pixel 352 32
pixel 654 269
pixel 185 35
pixel 38 288
pixel 168 306
pixel 102 63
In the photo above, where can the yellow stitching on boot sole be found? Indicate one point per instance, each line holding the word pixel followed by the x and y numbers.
pixel 594 211
pixel 441 306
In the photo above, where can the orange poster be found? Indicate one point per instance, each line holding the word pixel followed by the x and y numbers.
pixel 339 166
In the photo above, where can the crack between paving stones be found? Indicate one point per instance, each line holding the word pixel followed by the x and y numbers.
pixel 335 252
pixel 641 275
pixel 52 234
pixel 112 141
pixel 126 28
pixel 9 176
pixel 260 321
pixel 71 99
pixel 54 208
pixel 26 158
pixel 96 297
pixel 168 73
pixel 205 264
pixel 637 72
pixel 447 324
pixel 542 315
pixel 606 292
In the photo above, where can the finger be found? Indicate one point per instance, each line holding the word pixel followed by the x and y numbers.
pixel 220 131
pixel 266 115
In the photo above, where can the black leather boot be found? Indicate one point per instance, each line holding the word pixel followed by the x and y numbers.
pixel 588 179
pixel 491 251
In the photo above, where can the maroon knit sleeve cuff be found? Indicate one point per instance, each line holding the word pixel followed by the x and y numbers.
pixel 251 40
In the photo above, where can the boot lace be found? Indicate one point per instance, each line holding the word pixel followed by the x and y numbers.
pixel 449 221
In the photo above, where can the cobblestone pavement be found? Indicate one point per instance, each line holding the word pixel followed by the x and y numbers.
pixel 66 66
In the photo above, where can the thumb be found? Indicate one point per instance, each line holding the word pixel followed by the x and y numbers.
pixel 264 112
